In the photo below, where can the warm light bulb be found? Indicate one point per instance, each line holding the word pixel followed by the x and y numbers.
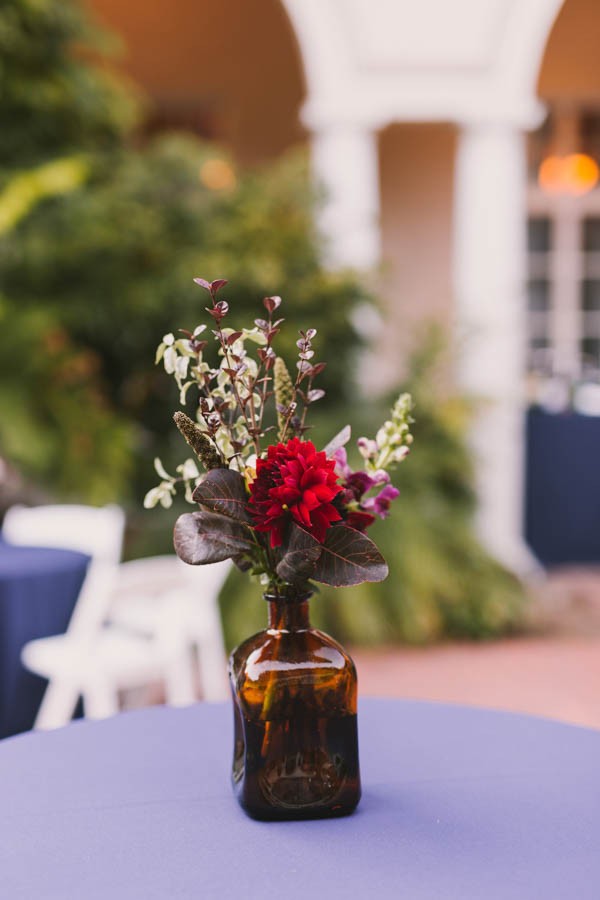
pixel 550 175
pixel 581 174
pixel 217 175
pixel 576 174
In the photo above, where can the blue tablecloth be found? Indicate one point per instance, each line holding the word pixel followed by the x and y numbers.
pixel 459 804
pixel 38 590
pixel 562 515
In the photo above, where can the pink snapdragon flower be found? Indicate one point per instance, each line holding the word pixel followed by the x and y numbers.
pixel 360 511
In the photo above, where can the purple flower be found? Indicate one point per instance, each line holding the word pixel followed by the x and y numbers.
pixel 380 505
pixel 341 463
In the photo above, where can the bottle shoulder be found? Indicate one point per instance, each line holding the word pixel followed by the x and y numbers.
pixel 295 647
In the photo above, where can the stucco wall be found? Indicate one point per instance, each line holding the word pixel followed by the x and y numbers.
pixel 416 173
pixel 235 62
pixel 571 65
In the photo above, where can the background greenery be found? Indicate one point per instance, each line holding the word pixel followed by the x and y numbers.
pixel 101 233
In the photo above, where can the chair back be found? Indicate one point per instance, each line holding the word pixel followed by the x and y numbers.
pixel 95 531
pixel 155 576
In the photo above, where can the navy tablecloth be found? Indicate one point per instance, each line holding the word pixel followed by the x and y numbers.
pixel 459 804
pixel 562 514
pixel 38 590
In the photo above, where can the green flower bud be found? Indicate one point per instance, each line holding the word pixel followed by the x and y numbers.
pixel 200 443
pixel 284 393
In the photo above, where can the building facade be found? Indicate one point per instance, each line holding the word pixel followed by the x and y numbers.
pixel 420 120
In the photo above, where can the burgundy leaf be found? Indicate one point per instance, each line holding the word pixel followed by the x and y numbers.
pixel 217 285
pixel 317 369
pixel 224 491
pixel 348 558
pixel 272 303
pixel 300 555
pixel 205 537
pixel 234 336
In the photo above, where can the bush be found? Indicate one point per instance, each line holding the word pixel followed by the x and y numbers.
pixel 111 266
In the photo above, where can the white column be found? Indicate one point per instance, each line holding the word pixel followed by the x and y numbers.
pixel 346 165
pixel 489 266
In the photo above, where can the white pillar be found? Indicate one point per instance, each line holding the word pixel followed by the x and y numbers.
pixel 489 266
pixel 346 165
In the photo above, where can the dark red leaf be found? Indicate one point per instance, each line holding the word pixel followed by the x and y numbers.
pixel 348 558
pixel 300 555
pixel 224 491
pixel 272 303
pixel 205 537
pixel 234 336
pixel 217 285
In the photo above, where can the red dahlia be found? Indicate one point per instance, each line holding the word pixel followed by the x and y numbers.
pixel 295 482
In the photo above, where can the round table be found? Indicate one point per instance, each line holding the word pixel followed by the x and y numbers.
pixel 38 590
pixel 458 803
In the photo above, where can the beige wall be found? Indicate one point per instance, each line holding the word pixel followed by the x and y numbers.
pixel 416 171
pixel 233 64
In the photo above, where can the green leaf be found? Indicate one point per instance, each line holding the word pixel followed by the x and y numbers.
pixel 224 491
pixel 349 557
pixel 205 537
pixel 300 555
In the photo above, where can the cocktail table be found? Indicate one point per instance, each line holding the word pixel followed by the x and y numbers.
pixel 458 804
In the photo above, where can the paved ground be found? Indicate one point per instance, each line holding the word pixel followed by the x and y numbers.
pixel 547 676
pixel 555 673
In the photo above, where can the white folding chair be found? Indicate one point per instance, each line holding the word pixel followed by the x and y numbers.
pixel 162 597
pixel 65 660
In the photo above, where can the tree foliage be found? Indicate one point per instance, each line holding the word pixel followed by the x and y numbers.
pixel 110 257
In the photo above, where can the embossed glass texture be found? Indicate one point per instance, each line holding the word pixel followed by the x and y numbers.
pixel 294 694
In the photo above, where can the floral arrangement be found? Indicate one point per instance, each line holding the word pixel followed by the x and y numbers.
pixel 284 510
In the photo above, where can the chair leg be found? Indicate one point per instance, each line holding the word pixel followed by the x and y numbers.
pixel 57 706
pixel 100 700
pixel 179 679
pixel 211 661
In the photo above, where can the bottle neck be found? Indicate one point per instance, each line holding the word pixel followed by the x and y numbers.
pixel 288 614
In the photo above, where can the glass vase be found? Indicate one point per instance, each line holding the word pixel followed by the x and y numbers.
pixel 294 697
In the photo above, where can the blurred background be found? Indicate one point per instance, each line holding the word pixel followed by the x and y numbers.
pixel 420 184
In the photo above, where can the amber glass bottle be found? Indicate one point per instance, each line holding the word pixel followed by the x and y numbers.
pixel 294 696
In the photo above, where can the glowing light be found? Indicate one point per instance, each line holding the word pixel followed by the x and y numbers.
pixel 576 174
pixel 217 175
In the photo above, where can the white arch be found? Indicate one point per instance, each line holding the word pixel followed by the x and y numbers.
pixel 497 77
pixel 522 50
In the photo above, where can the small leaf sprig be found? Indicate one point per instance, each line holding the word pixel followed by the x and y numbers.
pixel 232 397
